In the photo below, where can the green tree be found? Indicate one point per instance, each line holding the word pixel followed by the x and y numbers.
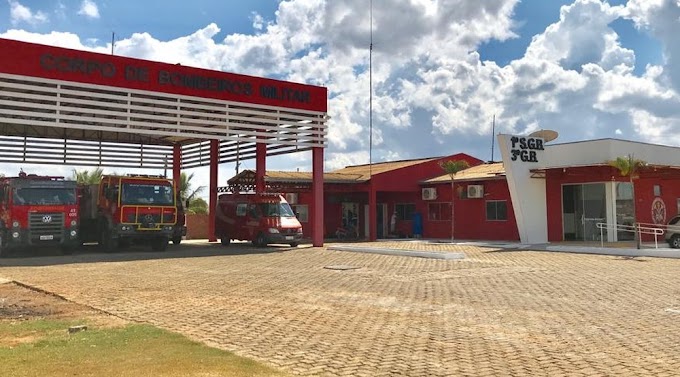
pixel 630 167
pixel 186 190
pixel 452 167
pixel 198 206
pixel 88 177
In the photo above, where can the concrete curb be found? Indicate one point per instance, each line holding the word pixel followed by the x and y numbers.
pixel 624 252
pixel 400 252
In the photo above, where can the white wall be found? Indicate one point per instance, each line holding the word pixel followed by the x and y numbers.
pixel 527 194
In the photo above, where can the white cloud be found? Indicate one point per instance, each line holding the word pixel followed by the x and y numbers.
pixel 433 93
pixel 88 8
pixel 20 13
pixel 662 19
pixel 582 36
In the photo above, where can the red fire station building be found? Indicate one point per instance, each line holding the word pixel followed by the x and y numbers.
pixel 541 192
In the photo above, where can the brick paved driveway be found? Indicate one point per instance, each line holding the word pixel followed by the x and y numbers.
pixel 495 313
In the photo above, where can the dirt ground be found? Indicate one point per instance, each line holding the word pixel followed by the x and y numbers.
pixel 18 303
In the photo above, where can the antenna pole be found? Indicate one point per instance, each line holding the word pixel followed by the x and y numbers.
pixel 370 94
pixel 113 40
pixel 493 134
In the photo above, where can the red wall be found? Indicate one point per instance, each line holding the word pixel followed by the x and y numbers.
pixel 470 214
pixel 197 226
pixel 644 193
pixel 644 197
pixel 409 178
pixel 555 178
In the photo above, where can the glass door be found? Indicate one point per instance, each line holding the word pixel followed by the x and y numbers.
pixel 594 211
pixel 583 207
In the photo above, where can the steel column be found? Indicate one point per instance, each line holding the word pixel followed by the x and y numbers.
pixel 372 212
pixel 214 148
pixel 176 166
pixel 317 195
pixel 260 166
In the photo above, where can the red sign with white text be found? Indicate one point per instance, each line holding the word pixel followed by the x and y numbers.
pixel 29 59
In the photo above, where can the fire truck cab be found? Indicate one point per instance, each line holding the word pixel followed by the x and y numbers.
pixel 261 218
pixel 125 209
pixel 38 211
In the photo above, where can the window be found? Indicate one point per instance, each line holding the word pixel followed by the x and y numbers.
pixel 496 210
pixel 657 190
pixel 405 211
pixel 439 211
pixel 241 209
pixel 302 212
pixel 147 193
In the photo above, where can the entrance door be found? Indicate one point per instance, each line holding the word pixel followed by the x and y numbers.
pixel 380 219
pixel 583 207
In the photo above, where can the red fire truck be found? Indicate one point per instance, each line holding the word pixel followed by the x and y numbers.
pixel 37 211
pixel 125 209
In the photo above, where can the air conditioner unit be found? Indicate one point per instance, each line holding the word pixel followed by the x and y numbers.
pixel 292 198
pixel 475 191
pixel 429 193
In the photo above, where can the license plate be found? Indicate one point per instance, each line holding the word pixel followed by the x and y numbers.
pixel 290 237
pixel 46 237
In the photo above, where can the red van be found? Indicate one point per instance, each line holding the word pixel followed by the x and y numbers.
pixel 261 218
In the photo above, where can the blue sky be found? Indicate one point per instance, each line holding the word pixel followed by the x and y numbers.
pixel 441 69
pixel 533 16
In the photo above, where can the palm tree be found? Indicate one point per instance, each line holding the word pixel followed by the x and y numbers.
pixel 186 192
pixel 88 177
pixel 629 167
pixel 452 167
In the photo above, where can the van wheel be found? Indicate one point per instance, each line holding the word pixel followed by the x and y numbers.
pixel 159 244
pixel 225 240
pixel 293 244
pixel 260 240
pixel 675 241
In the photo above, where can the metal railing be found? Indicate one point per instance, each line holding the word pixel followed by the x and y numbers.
pixel 640 228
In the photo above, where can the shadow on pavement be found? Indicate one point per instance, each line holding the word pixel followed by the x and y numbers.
pixel 93 254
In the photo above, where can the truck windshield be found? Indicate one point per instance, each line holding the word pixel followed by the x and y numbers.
pixel 145 193
pixel 44 196
pixel 276 210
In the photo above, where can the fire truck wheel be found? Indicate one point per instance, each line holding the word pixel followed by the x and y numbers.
pixel 225 240
pixel 177 240
pixel 159 244
pixel 108 242
pixel 260 240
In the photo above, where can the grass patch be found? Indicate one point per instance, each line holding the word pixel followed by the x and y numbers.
pixel 133 350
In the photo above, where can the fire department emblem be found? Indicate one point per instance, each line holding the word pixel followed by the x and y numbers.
pixel 47 219
pixel 658 211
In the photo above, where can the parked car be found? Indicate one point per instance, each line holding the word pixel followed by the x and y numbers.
pixel 673 232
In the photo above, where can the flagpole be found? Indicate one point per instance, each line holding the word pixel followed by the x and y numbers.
pixel 370 93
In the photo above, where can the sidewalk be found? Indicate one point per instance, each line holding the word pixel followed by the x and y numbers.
pixel 444 249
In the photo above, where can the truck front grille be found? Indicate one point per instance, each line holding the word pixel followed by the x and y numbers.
pixel 45 224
